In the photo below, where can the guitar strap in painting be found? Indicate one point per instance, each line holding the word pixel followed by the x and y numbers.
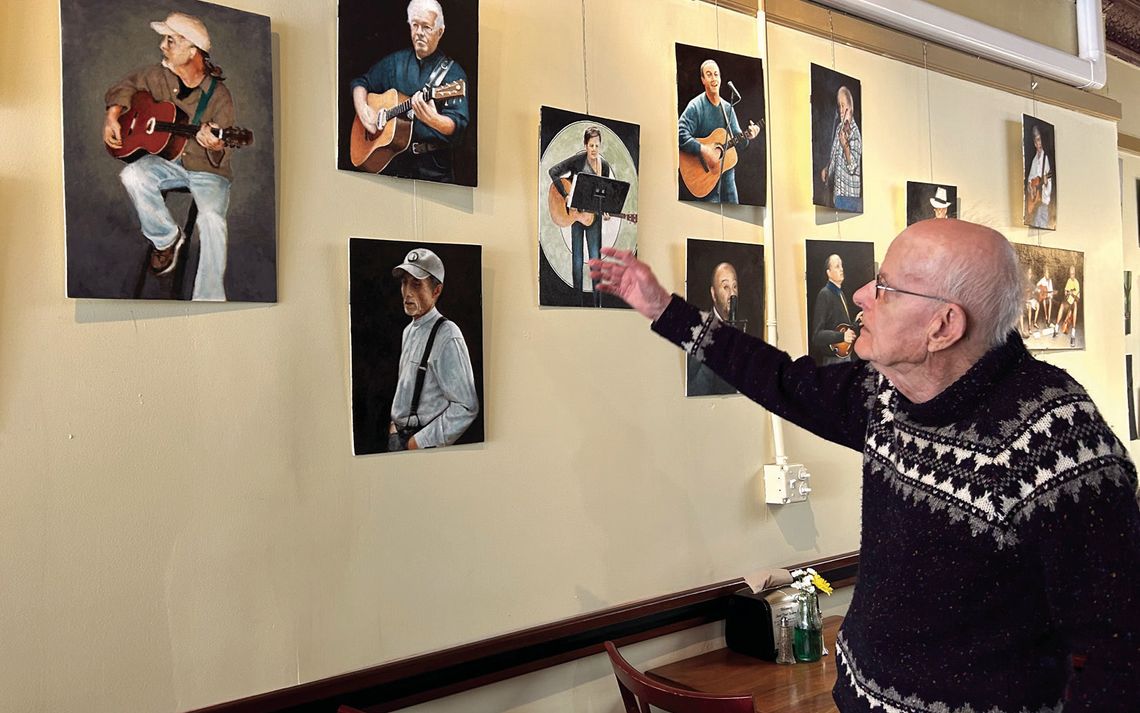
pixel 437 76
pixel 204 100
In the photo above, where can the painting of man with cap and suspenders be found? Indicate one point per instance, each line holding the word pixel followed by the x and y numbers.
pixel 416 330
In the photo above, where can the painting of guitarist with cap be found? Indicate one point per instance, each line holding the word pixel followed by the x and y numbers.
pixel 193 85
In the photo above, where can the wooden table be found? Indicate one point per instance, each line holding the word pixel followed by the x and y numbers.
pixel 803 687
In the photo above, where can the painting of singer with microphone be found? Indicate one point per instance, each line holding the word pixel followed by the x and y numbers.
pixel 727 279
pixel 837 142
pixel 720 125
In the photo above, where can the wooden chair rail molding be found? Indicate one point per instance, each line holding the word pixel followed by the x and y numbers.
pixel 405 682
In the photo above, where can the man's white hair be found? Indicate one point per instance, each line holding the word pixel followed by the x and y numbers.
pixel 706 63
pixel 418 6
pixel 990 291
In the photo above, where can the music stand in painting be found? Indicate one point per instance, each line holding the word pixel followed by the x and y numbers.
pixel 595 194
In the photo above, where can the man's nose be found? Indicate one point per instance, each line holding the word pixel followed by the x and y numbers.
pixel 865 295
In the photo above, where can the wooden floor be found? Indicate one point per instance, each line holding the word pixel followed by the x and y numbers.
pixel 802 688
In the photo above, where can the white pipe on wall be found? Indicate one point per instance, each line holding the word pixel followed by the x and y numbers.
pixel 915 17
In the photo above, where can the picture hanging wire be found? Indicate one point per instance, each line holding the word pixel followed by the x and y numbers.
pixel 585 73
pixel 417 214
pixel 929 124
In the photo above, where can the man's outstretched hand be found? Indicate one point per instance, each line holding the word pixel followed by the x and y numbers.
pixel 630 279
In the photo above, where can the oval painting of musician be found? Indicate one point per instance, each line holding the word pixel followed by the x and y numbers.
pixel 587 198
pixel 835 269
pixel 1052 312
pixel 721 143
pixel 407 75
pixel 416 336
pixel 168 152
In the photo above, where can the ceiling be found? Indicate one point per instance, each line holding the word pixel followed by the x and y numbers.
pixel 1122 29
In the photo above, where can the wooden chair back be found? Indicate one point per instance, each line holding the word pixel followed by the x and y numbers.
pixel 638 692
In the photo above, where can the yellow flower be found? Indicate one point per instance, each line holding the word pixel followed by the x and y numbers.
pixel 821 584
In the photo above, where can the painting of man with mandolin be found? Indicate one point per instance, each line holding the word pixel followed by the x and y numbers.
pixel 835 270
pixel 172 125
pixel 721 156
pixel 411 114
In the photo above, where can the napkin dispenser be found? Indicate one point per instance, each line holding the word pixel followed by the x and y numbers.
pixel 752 621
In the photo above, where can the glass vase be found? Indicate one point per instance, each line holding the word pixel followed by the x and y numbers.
pixel 808 639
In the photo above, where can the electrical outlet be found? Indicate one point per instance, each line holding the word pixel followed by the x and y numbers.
pixel 787 483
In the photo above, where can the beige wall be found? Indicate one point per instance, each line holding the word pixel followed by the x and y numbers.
pixel 1123 85
pixel 181 519
pixel 1050 22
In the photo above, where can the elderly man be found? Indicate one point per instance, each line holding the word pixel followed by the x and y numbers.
pixel 703 381
pixel 435 398
pixel 1000 528
pixel 437 129
pixel 834 321
pixel 705 113
pixel 191 81
pixel 844 170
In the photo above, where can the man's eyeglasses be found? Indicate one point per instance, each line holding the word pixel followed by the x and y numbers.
pixel 881 287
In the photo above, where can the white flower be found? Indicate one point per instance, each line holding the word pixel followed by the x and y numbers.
pixel 810 570
pixel 797 573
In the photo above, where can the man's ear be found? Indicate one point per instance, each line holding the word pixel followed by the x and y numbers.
pixel 946 328
pixel 437 291
pixel 712 293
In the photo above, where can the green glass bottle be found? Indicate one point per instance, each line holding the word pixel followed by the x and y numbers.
pixel 808 636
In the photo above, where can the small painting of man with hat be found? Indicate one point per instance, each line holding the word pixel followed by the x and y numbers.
pixel 930 200
pixel 422 391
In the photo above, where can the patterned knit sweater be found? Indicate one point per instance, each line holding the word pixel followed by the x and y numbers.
pixel 1000 529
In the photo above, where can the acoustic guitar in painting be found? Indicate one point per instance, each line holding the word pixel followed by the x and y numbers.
pixel 1033 195
pixel 373 152
pixel 841 348
pixel 1070 307
pixel 161 128
pixel 564 216
pixel 699 176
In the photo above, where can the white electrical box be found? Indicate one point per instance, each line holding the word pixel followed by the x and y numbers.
pixel 787 483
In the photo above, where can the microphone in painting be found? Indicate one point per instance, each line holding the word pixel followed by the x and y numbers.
pixel 741 324
pixel 734 91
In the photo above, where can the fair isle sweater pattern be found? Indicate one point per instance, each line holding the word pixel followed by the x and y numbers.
pixel 1009 476
pixel 993 483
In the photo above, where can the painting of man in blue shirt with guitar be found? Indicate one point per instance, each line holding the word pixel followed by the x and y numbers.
pixel 411 106
pixel 709 136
